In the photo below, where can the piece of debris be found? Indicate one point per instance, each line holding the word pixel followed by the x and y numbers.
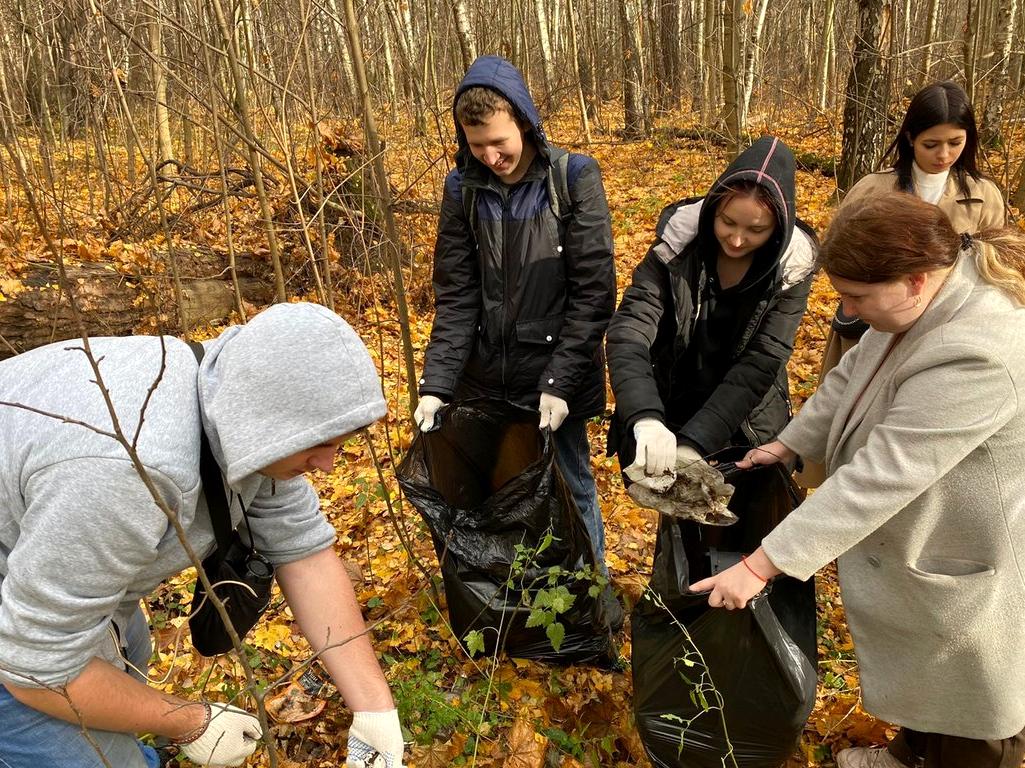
pixel 695 491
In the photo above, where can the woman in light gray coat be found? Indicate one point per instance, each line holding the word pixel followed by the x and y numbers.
pixel 922 430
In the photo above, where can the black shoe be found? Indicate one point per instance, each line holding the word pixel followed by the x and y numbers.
pixel 167 753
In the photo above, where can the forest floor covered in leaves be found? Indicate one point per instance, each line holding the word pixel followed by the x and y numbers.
pixel 492 711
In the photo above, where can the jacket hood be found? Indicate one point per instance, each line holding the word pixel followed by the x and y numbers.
pixel 501 76
pixel 293 377
pixel 769 163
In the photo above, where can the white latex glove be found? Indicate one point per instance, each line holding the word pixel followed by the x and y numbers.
pixel 554 411
pixel 656 450
pixel 231 735
pixel 375 740
pixel 425 412
pixel 685 456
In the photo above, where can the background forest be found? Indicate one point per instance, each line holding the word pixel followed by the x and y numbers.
pixel 175 165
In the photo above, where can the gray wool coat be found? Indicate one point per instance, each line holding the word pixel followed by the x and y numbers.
pixel 924 505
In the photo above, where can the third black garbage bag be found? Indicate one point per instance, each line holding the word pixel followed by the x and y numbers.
pixel 759 661
pixel 486 483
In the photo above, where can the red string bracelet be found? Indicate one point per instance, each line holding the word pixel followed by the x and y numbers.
pixel 743 559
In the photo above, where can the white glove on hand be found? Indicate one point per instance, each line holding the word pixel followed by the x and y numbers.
pixel 685 456
pixel 425 412
pixel 554 411
pixel 375 740
pixel 656 450
pixel 230 736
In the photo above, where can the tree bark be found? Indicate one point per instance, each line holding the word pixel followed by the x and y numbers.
pixel 633 110
pixel 733 112
pixel 971 48
pixel 585 123
pixel 467 43
pixel 828 38
pixel 547 58
pixel 165 148
pixel 864 107
pixel 753 54
pixel 992 117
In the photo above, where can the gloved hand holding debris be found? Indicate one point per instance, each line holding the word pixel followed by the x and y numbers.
pixel 694 490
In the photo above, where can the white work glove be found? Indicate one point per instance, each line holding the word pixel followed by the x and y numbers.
pixel 554 411
pixel 375 740
pixel 425 412
pixel 230 736
pixel 685 456
pixel 656 451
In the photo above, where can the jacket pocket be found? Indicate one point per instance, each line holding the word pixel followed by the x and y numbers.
pixel 543 331
pixel 948 568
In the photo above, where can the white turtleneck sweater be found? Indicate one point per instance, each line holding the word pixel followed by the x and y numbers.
pixel 929 186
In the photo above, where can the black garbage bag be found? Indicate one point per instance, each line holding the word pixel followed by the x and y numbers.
pixel 745 680
pixel 487 485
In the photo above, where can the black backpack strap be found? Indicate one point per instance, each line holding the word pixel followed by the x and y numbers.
pixel 558 184
pixel 213 481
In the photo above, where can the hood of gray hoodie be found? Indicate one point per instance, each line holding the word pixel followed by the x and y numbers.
pixel 294 376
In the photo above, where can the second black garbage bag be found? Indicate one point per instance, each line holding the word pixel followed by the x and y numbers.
pixel 714 687
pixel 504 523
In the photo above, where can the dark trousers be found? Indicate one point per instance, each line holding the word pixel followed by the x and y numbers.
pixel 934 750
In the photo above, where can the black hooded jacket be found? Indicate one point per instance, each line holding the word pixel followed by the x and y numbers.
pixel 522 299
pixel 710 362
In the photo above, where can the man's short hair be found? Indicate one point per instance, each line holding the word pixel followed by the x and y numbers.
pixel 476 105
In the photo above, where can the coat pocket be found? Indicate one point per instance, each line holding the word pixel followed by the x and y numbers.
pixel 944 567
pixel 951 598
pixel 543 331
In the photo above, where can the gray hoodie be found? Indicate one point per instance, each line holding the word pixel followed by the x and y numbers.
pixel 81 539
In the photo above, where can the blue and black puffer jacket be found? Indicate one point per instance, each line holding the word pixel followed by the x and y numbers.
pixel 522 298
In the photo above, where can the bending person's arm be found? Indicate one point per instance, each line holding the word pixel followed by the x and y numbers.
pixel 322 600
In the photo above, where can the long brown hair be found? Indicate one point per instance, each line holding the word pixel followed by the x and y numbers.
pixel 896 234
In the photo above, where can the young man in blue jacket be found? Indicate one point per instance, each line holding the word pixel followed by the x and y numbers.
pixel 524 280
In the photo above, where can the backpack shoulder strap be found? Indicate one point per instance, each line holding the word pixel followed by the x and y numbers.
pixel 469 198
pixel 558 183
pixel 212 479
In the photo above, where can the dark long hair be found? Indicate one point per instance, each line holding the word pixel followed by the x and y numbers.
pixel 936 104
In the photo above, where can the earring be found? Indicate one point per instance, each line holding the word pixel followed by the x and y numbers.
pixel 918 302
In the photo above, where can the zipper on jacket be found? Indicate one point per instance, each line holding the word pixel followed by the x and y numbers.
pixel 505 288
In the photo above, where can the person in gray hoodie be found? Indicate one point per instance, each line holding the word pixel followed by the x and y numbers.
pixel 82 540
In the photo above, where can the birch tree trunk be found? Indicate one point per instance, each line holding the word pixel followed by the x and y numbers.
pixel 547 59
pixel 992 118
pixel 753 54
pixel 710 84
pixel 827 50
pixel 467 44
pixel 700 81
pixel 864 109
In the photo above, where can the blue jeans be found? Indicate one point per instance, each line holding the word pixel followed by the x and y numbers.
pixel 31 739
pixel 573 455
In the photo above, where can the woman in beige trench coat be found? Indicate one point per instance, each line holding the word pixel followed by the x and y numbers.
pixel 922 430
pixel 935 156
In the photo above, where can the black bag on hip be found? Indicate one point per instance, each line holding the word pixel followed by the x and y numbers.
pixel 241 576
